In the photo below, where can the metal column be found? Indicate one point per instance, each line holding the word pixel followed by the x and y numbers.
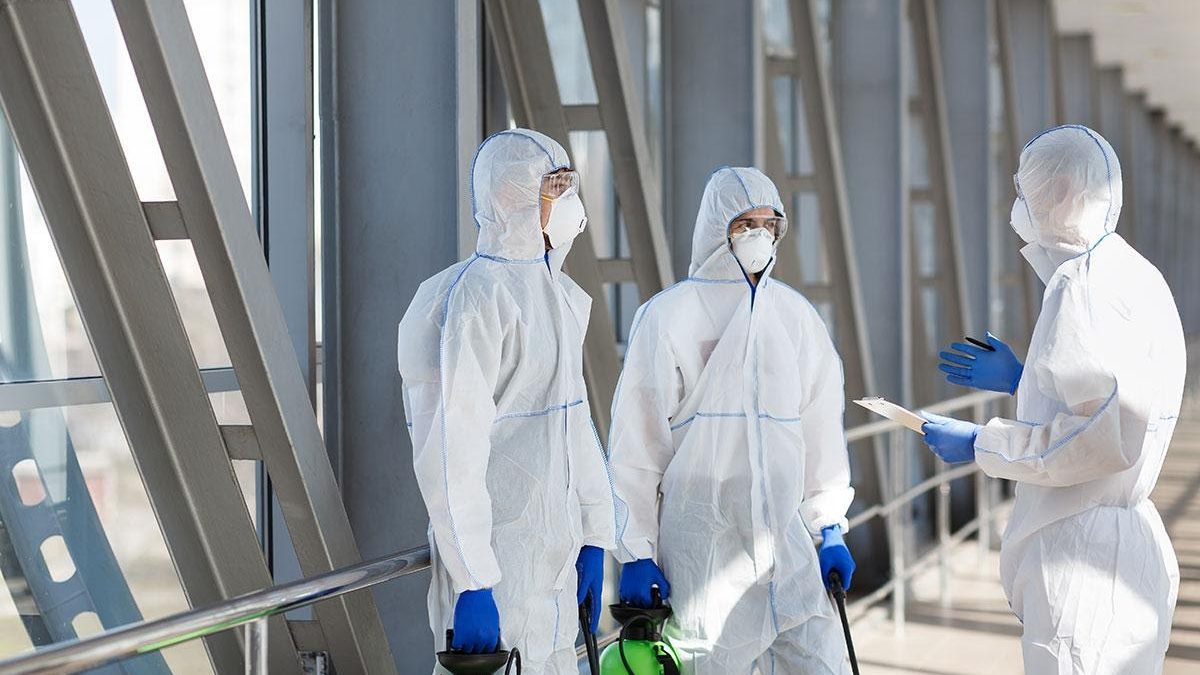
pixel 61 124
pixel 1078 86
pixel 710 57
pixel 938 292
pixel 804 159
pixel 390 101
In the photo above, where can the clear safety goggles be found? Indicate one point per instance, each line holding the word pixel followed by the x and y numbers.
pixel 776 225
pixel 559 185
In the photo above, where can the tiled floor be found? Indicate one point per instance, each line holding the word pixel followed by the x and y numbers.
pixel 977 635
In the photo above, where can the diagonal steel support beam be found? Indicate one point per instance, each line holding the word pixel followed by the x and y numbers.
pixel 622 119
pixel 523 52
pixel 53 101
pixel 172 78
pixel 828 182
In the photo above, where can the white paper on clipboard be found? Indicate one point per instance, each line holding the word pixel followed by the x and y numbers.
pixel 885 408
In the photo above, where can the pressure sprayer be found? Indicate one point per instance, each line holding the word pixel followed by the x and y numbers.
pixel 462 663
pixel 640 648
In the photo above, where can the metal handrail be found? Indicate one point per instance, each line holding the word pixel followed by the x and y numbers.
pixel 252 610
pixel 249 609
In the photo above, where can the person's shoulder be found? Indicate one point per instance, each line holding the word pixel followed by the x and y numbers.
pixel 791 300
pixel 667 302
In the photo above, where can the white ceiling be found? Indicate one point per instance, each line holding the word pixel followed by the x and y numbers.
pixel 1157 42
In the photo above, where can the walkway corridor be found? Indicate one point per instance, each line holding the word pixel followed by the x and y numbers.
pixel 977 635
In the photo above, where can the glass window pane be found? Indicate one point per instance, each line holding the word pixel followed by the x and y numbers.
pixel 784 90
pixel 804 161
pixel 41 333
pixel 222 30
pixel 195 306
pixel 80 500
pixel 931 313
pixel 124 98
pixel 918 153
pixel 924 239
pixel 777 28
pixel 805 227
pixel 572 70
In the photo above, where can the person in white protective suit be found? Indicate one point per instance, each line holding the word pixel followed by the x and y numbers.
pixel 507 458
pixel 1085 561
pixel 730 406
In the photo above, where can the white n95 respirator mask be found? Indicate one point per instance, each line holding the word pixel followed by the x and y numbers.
pixel 1020 222
pixel 753 249
pixel 567 219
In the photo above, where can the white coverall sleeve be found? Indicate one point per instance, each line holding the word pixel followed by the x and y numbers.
pixel 827 491
pixel 451 464
pixel 1099 432
pixel 640 442
pixel 593 486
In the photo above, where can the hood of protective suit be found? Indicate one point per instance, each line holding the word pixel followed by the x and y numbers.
pixel 730 192
pixel 506 180
pixel 1070 195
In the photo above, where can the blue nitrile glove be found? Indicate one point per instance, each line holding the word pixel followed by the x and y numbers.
pixel 834 555
pixel 976 367
pixel 636 579
pixel 589 568
pixel 952 440
pixel 476 623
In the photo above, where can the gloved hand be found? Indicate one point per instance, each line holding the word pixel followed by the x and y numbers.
pixel 589 568
pixel 952 440
pixel 636 579
pixel 476 623
pixel 972 366
pixel 834 555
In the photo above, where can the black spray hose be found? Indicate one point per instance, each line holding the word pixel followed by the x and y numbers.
pixel 589 638
pixel 839 597
pixel 514 656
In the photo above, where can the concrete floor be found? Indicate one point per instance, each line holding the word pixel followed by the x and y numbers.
pixel 976 634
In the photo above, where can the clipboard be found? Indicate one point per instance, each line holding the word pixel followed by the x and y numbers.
pixel 885 408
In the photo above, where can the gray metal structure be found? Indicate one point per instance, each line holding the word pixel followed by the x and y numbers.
pixel 891 127
pixel 522 50
pixel 60 121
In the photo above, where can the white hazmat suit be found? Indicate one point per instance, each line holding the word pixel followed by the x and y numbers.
pixel 508 461
pixel 730 404
pixel 1085 561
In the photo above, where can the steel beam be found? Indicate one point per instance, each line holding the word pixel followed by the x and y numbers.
pixel 622 118
pixel 1078 87
pixel 818 125
pixel 172 78
pixel 966 68
pixel 709 58
pixel 867 84
pixel 812 124
pixel 59 118
pixel 523 51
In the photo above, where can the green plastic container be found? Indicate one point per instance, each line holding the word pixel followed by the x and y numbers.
pixel 644 657
pixel 641 649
